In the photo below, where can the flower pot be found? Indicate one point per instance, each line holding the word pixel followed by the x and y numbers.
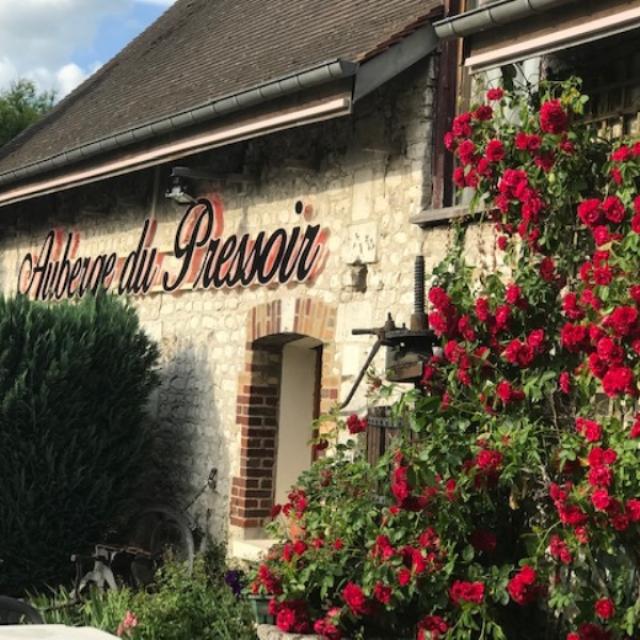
pixel 260 609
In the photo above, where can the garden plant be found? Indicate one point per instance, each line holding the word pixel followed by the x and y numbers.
pixel 180 604
pixel 508 506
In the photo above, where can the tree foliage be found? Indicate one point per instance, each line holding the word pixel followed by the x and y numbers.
pixel 20 106
pixel 74 381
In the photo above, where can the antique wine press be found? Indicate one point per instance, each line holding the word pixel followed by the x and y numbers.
pixel 408 348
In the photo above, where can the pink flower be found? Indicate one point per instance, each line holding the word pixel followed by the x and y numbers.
pixel 129 622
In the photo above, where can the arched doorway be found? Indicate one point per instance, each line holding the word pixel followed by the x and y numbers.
pixel 290 377
pixel 299 407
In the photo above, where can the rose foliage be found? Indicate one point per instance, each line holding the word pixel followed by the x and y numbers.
pixel 509 503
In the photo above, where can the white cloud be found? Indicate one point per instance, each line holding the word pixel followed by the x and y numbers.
pixel 38 39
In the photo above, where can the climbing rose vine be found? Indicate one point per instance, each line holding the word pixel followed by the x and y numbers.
pixel 508 505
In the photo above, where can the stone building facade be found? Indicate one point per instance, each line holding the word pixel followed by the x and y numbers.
pixel 245 369
pixel 362 179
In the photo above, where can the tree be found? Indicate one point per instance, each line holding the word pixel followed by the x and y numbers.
pixel 20 106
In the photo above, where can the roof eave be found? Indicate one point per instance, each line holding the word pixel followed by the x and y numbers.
pixel 255 96
pixel 492 15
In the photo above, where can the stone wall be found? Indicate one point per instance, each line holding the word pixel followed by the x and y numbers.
pixel 363 177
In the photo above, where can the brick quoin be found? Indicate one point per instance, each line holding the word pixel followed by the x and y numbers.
pixel 252 491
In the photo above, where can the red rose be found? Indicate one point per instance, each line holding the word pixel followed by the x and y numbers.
pixel 326 629
pixel 382 593
pixel 338 545
pixel 449 141
pixel 605 609
pixel 522 587
pixel 494 151
pixel 286 619
pixel 591 430
pixel 299 547
pixel 553 118
pixel 616 175
pixel 461 125
pixel 545 161
pixel 496 93
pixel 633 509
pixel 564 382
pixel 404 577
pixel 466 152
pixel 618 381
pixel 483 540
pixel 435 625
pixel 621 154
pixel 601 499
pixel 356 425
pixel 599 456
pixel 590 212
pixel 635 223
pixel 601 235
pixel 355 599
pixel 623 320
pixel 462 591
pixel 573 337
pixel 483 112
pixel 488 460
pixel 613 209
pixel 547 269
pixel 482 309
pixel 502 242
pixel 559 550
pixel 514 294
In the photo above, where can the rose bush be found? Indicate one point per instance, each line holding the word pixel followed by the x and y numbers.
pixel 509 505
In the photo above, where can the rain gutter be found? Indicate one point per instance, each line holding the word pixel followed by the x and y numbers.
pixel 255 96
pixel 492 15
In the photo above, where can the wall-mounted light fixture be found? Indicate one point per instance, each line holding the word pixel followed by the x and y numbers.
pixel 181 187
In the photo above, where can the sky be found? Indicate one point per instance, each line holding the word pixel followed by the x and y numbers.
pixel 58 43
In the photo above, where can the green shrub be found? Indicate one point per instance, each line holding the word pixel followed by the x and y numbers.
pixel 74 381
pixel 197 606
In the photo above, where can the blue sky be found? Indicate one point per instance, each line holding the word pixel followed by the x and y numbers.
pixel 58 43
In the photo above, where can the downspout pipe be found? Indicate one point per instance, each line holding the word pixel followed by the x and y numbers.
pixel 491 15
pixel 280 87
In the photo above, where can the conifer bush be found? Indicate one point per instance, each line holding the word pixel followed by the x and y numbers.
pixel 74 382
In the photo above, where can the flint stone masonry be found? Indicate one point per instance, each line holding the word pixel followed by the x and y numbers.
pixel 370 170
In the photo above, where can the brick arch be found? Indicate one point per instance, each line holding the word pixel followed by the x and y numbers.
pixel 268 324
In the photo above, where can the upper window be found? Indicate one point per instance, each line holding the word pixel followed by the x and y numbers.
pixel 610 70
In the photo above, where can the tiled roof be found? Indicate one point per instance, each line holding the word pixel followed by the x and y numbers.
pixel 201 50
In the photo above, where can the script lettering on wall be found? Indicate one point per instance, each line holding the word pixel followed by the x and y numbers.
pixel 202 258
